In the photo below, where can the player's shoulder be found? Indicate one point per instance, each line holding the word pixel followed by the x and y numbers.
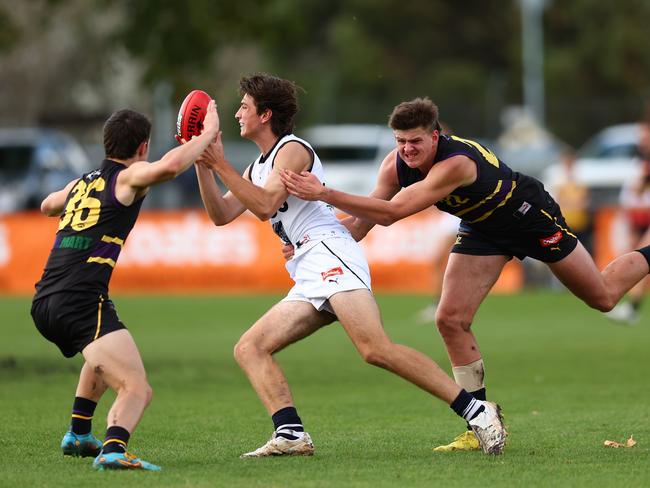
pixel 294 150
pixel 388 168
pixel 125 172
pixel 389 163
pixel 390 159
pixel 126 188
pixel 294 145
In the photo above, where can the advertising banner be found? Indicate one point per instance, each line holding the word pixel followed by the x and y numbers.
pixel 183 252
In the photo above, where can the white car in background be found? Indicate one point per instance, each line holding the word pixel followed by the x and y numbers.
pixel 351 153
pixel 604 164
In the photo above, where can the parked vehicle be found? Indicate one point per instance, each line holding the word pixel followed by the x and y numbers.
pixel 34 163
pixel 351 154
pixel 605 163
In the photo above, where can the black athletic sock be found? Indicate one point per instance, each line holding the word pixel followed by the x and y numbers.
pixel 116 439
pixel 287 423
pixel 82 415
pixel 466 406
pixel 645 251
pixel 479 395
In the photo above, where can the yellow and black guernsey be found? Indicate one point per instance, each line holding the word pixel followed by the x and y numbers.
pixel 490 201
pixel 502 212
pixel 91 234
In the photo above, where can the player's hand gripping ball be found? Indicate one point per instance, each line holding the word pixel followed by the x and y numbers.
pixel 191 114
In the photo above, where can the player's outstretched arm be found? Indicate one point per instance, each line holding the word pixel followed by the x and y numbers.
pixel 52 205
pixel 222 209
pixel 366 211
pixel 439 182
pixel 142 174
pixel 386 188
pixel 306 186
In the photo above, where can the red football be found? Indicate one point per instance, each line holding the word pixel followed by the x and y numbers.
pixel 191 114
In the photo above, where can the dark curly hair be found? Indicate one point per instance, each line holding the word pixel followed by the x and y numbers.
pixel 275 94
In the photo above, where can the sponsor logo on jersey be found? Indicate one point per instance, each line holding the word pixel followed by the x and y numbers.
pixel 305 239
pixel 549 241
pixel 331 272
pixel 525 207
pixel 92 175
pixel 75 242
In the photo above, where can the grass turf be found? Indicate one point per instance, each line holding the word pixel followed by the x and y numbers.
pixel 567 378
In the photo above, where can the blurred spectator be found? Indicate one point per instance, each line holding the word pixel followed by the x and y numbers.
pixel 635 200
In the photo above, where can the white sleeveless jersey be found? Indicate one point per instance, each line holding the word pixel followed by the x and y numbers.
pixel 299 222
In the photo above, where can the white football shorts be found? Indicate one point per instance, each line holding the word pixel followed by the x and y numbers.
pixel 333 265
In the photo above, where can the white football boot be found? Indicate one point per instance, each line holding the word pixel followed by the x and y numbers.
pixel 281 446
pixel 623 313
pixel 489 429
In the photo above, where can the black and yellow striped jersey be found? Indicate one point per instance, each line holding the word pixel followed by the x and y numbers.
pixel 92 230
pixel 490 201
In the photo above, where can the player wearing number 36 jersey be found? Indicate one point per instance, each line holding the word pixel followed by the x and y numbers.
pixel 329 270
pixel 72 308
pixel 90 236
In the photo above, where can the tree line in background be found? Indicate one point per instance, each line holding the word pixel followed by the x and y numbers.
pixel 77 60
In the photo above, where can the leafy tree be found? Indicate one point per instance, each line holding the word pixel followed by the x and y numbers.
pixel 598 67
pixel 9 32
pixel 355 58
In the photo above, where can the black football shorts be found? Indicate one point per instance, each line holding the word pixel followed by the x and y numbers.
pixel 74 320
pixel 537 230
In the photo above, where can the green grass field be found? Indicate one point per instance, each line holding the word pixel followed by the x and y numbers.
pixel 566 377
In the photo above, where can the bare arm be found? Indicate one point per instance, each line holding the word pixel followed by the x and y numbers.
pixel 441 180
pixel 52 205
pixel 137 178
pixel 222 209
pixel 262 201
pixel 386 188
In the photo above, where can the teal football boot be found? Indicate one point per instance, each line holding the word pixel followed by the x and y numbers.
pixel 122 460
pixel 84 445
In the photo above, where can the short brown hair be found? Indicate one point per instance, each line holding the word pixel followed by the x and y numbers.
pixel 419 112
pixel 275 94
pixel 124 131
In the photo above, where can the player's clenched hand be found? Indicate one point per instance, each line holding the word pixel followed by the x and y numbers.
pixel 304 185
pixel 287 251
pixel 213 155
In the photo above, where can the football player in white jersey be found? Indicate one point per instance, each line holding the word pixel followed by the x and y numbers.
pixel 330 272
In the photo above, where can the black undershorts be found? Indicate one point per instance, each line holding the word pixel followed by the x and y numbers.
pixel 537 229
pixel 74 320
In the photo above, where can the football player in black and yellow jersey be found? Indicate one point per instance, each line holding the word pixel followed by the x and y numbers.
pixel 72 307
pixel 503 214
